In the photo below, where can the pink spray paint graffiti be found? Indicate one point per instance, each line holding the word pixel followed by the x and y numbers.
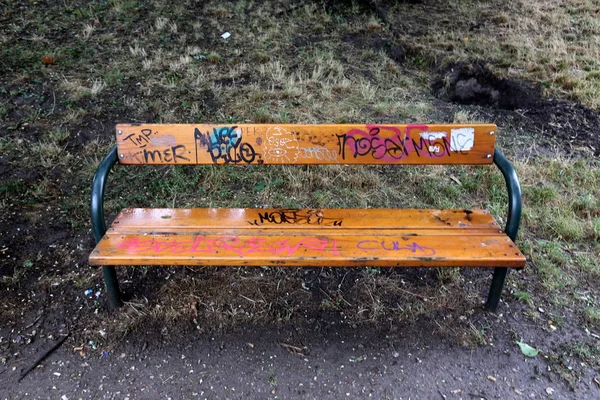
pixel 390 144
pixel 224 244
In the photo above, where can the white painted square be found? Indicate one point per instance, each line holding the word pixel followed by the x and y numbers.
pixel 462 139
pixel 433 135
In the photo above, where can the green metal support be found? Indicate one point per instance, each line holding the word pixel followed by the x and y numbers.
pixel 515 207
pixel 99 224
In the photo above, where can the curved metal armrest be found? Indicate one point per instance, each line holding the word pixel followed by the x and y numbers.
pixel 515 202
pixel 97 200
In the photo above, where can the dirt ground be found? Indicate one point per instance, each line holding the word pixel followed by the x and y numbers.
pixel 328 360
pixel 229 333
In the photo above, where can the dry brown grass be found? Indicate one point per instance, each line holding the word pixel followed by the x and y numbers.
pixel 553 43
pixel 301 64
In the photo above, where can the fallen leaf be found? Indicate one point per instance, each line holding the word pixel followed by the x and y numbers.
pixel 492 378
pixel 528 350
pixel 194 307
pixel 48 60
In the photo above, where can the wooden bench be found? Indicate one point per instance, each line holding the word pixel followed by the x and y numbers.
pixel 308 237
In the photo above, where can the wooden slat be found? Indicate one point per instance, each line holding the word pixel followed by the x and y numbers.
pixel 134 220
pixel 305 144
pixel 310 249
pixel 323 237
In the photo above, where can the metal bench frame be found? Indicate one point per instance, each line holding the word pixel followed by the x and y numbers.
pixel 515 206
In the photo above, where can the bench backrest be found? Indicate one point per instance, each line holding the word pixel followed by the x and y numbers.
pixel 305 144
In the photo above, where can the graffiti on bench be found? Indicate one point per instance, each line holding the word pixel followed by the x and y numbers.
pixel 233 244
pixel 295 217
pixel 303 144
pixel 263 245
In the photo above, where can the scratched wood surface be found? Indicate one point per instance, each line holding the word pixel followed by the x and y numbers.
pixel 323 237
pixel 134 220
pixel 305 144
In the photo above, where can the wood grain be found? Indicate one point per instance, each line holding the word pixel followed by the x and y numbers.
pixel 406 238
pixel 305 144
pixel 135 220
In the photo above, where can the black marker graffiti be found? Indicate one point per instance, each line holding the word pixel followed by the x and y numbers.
pixel 295 217
pixel 171 154
pixel 313 138
pixel 390 148
pixel 140 140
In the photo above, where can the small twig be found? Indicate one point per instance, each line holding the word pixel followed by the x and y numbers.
pixel 442 394
pixel 342 282
pixel 43 357
pixel 345 301
pixel 53 105
pixel 293 349
pixel 33 323
pixel 165 381
pixel 414 294
pixel 328 296
pixel 249 299
pixel 289 346
pixel 331 298
pixel 134 306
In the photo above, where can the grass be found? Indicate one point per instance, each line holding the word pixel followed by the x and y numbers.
pixel 300 64
pixel 554 44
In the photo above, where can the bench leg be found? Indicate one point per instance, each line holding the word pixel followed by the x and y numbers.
pixel 496 288
pixel 112 286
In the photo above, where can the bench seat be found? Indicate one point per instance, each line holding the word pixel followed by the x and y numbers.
pixel 309 237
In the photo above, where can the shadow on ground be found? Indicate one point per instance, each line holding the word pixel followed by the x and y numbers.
pixel 328 359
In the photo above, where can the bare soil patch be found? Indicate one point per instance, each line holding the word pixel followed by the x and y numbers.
pixel 204 331
pixel 569 125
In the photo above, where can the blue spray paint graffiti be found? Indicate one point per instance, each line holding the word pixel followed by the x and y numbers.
pixel 225 145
